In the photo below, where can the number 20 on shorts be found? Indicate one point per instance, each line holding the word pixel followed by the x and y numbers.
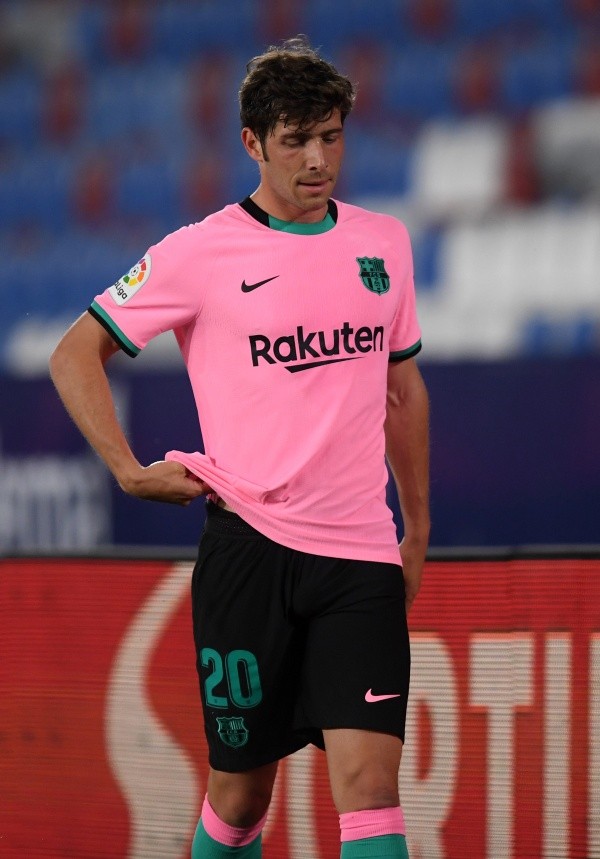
pixel 240 668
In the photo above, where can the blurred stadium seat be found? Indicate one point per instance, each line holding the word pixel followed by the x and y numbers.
pixel 537 73
pixel 418 83
pixel 34 191
pixel 478 123
pixel 148 189
pixel 20 109
pixel 181 29
pixel 476 20
pixel 459 167
pixel 336 26
pixel 136 105
pixel 376 164
pixel 567 136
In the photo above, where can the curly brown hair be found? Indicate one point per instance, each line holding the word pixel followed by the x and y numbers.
pixel 294 84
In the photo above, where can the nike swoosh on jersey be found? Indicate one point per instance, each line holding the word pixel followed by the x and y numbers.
pixel 248 287
pixel 371 699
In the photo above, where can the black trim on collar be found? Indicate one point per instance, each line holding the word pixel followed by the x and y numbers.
pixel 248 205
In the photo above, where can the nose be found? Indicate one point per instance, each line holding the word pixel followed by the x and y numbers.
pixel 315 154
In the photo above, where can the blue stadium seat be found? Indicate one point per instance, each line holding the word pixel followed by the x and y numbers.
pixel 80 264
pixel 34 190
pixel 97 30
pixel 113 108
pixel 136 104
pixel 418 83
pixel 27 289
pixel 91 26
pixel 331 27
pixel 551 16
pixel 20 110
pixel 537 74
pixel 475 19
pixel 242 178
pixel 148 189
pixel 182 29
pixel 375 164
pixel 231 69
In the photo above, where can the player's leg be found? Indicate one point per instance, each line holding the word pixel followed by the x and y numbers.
pixel 248 659
pixel 355 688
pixel 363 772
pixel 241 799
pixel 234 813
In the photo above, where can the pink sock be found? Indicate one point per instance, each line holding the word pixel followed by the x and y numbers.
pixel 231 836
pixel 371 822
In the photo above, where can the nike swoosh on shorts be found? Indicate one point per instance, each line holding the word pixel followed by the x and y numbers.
pixel 371 699
pixel 248 287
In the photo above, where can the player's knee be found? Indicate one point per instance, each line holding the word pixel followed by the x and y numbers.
pixel 239 804
pixel 241 809
pixel 366 787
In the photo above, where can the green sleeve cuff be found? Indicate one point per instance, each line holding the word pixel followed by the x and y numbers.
pixel 101 316
pixel 406 353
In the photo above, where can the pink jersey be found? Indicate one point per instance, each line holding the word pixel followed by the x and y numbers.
pixel 286 338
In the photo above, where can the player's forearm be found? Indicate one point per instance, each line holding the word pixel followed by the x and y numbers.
pixel 407 449
pixel 83 387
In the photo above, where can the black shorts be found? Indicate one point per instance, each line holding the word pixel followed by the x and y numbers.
pixel 289 644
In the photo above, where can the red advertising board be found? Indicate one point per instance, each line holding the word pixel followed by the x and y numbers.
pixel 102 752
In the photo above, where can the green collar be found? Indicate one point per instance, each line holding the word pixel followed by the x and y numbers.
pixel 328 222
pixel 302 229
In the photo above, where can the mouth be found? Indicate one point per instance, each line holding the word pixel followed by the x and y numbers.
pixel 315 185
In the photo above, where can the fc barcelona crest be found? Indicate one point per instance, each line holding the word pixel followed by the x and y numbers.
pixel 373 274
pixel 233 731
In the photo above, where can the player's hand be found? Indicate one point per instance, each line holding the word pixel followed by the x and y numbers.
pixel 412 552
pixel 170 482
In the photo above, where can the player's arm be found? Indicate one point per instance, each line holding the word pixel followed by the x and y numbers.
pixel 77 368
pixel 407 449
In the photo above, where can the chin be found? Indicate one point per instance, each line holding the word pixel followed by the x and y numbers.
pixel 316 200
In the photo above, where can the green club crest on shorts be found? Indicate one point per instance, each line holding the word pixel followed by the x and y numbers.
pixel 232 731
pixel 373 274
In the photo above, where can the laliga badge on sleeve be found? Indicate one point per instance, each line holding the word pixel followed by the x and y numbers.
pixel 129 284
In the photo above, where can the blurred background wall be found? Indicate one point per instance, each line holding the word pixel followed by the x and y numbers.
pixel 477 123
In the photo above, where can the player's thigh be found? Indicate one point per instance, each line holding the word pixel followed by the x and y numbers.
pixel 247 651
pixel 363 768
pixel 357 661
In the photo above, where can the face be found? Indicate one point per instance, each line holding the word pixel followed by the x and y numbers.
pixel 298 168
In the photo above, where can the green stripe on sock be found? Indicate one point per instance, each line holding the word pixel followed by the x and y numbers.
pixel 205 847
pixel 380 847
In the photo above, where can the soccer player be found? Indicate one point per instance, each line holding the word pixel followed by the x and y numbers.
pixel 295 316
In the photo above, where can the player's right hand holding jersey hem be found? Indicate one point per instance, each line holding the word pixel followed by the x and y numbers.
pixel 170 482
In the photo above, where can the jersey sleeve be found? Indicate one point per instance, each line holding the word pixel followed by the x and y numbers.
pixel 159 293
pixel 405 333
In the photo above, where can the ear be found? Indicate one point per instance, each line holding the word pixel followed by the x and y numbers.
pixel 252 144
